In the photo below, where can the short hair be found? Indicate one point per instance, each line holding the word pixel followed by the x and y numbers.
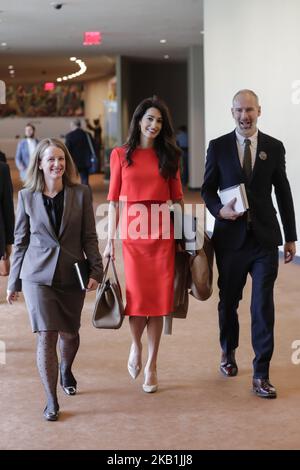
pixel 246 90
pixel 76 122
pixel 30 125
pixel 35 177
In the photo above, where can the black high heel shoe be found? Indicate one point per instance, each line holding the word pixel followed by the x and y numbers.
pixel 51 415
pixel 71 388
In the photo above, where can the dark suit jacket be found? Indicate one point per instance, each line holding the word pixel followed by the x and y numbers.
pixel 7 216
pixel 223 169
pixel 38 252
pixel 79 148
pixel 2 157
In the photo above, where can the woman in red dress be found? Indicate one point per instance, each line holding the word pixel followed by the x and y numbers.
pixel 144 175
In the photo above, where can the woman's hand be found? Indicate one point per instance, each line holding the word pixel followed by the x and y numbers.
pixel 11 296
pixel 92 284
pixel 109 250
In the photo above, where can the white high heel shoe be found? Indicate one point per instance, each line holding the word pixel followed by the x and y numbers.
pixel 151 388
pixel 133 370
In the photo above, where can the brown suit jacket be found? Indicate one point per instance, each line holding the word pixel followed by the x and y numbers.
pixel 38 252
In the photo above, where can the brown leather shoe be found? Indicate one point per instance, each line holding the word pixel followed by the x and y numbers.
pixel 263 388
pixel 228 365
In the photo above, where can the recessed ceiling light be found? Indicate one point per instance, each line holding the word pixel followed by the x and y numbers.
pixel 3 44
pixel 163 41
pixel 166 56
pixel 10 67
pixel 81 71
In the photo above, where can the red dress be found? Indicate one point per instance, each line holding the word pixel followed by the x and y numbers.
pixel 148 242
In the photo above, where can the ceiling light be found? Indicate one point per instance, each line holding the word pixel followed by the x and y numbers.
pixel 3 44
pixel 163 41
pixel 10 67
pixel 166 56
pixel 81 71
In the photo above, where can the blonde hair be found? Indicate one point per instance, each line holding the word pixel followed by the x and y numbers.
pixel 35 177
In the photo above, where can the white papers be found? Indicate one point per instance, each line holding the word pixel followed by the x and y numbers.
pixel 238 192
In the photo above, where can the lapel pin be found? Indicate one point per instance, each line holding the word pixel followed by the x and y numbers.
pixel 263 155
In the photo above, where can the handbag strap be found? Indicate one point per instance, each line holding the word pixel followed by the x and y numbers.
pixel 90 143
pixel 110 260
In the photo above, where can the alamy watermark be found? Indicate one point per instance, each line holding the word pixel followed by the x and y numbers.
pixel 295 357
pixel 151 220
pixel 295 96
pixel 2 352
pixel 2 92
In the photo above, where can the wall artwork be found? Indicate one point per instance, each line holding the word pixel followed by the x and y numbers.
pixel 34 101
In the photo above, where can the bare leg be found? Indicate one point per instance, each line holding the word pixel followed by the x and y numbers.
pixel 154 330
pixel 47 363
pixel 137 326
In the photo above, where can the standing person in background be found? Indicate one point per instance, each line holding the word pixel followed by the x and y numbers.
pixel 78 145
pixel 7 215
pixel 182 142
pixel 25 150
pixel 55 228
pixel 146 171
pixel 248 242
pixel 97 130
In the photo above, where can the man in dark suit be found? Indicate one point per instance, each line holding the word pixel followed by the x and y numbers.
pixel 248 242
pixel 2 157
pixel 80 145
pixel 7 216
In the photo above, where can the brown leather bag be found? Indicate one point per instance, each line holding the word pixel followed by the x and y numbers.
pixel 109 310
pixel 201 268
pixel 4 266
pixel 194 275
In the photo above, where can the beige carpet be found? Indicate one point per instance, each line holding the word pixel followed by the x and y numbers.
pixel 195 407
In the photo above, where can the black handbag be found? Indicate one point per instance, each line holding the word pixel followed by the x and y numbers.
pixel 109 309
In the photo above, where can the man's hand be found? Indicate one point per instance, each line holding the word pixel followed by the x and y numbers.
pixel 289 250
pixel 227 212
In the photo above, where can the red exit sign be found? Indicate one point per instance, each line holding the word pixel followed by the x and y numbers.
pixel 49 86
pixel 92 38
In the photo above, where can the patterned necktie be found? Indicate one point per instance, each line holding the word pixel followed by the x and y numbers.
pixel 247 162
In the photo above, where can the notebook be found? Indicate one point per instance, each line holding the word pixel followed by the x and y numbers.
pixel 82 271
pixel 238 192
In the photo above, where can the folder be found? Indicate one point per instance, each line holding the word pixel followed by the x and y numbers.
pixel 238 192
pixel 82 271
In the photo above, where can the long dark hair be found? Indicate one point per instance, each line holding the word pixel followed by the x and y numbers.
pixel 167 151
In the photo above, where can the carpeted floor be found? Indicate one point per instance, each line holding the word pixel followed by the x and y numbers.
pixel 195 407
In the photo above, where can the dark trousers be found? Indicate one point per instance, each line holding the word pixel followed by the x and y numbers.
pixel 234 266
pixel 84 175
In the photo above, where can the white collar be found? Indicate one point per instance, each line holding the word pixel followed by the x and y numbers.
pixel 241 139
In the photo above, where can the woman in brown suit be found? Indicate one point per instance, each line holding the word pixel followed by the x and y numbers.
pixel 55 227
